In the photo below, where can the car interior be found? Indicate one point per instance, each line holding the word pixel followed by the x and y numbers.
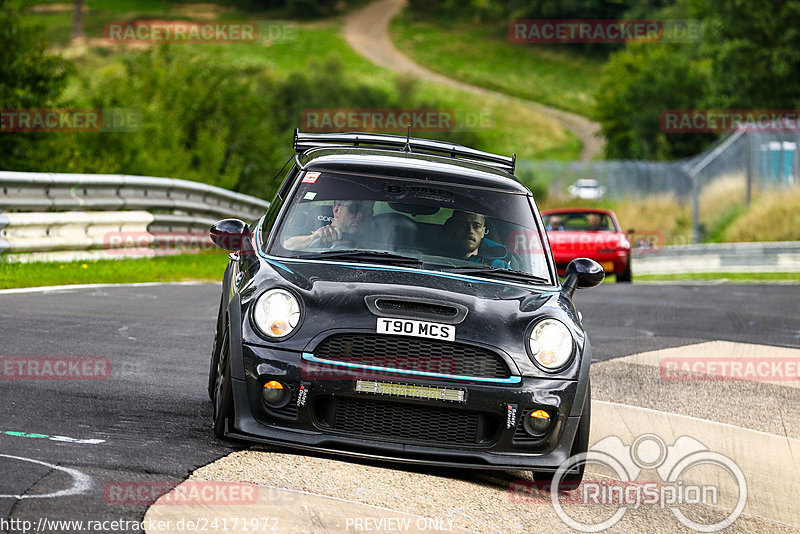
pixel 398 227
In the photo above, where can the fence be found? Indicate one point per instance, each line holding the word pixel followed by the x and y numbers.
pixel 763 160
pixel 51 216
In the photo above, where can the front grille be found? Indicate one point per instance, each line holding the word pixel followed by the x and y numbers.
pixel 417 308
pixel 405 422
pixel 398 352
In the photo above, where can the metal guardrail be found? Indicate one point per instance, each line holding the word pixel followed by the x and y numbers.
pixel 48 214
pixel 27 191
pixel 763 257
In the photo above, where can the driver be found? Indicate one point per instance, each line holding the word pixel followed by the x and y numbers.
pixel 349 218
pixel 468 240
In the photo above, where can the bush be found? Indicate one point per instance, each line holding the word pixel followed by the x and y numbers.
pixel 206 120
pixel 29 78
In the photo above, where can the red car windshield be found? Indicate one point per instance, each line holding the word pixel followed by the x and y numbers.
pixel 579 220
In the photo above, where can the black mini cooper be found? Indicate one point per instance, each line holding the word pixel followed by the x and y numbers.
pixel 399 300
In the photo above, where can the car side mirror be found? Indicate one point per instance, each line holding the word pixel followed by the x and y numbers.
pixel 581 273
pixel 231 234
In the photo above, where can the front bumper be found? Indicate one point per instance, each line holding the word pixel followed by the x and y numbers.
pixel 333 417
pixel 612 263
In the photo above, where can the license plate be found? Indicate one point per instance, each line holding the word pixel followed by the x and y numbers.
pixel 608 266
pixel 408 327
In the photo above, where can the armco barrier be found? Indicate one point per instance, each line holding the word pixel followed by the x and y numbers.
pixel 29 191
pixel 51 216
pixel 763 257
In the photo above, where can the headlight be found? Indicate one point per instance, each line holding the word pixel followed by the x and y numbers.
pixel 551 344
pixel 276 313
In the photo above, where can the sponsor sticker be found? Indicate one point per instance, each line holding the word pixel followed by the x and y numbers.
pixel 511 416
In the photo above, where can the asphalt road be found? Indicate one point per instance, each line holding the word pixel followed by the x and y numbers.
pixel 152 413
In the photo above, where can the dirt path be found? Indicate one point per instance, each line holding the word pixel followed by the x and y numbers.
pixel 366 30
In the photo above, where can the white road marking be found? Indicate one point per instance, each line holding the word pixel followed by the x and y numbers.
pixel 81 483
pixel 47 289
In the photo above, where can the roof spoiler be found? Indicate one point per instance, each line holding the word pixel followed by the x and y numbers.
pixel 307 141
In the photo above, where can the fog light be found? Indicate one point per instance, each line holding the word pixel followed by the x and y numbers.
pixel 275 394
pixel 536 423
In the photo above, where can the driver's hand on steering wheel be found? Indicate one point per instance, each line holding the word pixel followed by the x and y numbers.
pixel 328 234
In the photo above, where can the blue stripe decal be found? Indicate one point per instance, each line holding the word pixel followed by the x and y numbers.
pixel 510 380
pixel 279 264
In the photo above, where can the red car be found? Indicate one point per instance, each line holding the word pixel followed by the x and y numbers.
pixel 588 233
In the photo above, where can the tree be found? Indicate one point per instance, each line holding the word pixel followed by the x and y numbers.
pixel 754 46
pixel 29 78
pixel 638 84
pixel 77 20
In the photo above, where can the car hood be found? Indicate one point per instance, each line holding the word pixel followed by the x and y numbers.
pixel 305 274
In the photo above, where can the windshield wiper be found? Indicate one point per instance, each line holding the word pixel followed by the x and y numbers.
pixel 367 255
pixel 501 272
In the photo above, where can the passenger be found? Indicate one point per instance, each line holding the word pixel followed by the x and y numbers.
pixel 554 224
pixel 468 240
pixel 349 217
pixel 595 222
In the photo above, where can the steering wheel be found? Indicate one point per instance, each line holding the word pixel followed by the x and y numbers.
pixel 347 240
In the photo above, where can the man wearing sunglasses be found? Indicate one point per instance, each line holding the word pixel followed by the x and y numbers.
pixel 348 220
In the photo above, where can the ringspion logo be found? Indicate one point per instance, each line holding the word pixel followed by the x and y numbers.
pixel 689 473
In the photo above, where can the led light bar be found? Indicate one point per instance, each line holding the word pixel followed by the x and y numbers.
pixel 410 391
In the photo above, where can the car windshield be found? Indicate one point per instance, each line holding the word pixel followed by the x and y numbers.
pixel 426 224
pixel 580 220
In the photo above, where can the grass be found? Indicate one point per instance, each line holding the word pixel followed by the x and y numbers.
pixel 510 128
pixel 482 55
pixel 506 128
pixel 773 216
pixel 189 267
pixel 659 215
pixel 719 277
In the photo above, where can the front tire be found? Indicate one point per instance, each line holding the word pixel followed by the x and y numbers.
pixel 218 331
pixel 571 481
pixel 223 392
pixel 627 274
